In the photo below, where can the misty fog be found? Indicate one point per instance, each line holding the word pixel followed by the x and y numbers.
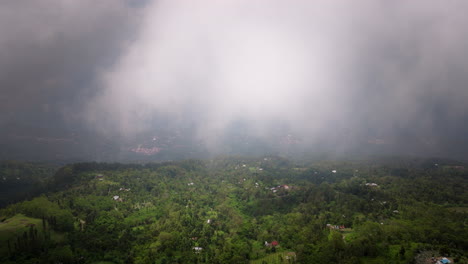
pixel 331 76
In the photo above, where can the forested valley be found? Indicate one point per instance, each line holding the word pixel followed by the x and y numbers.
pixel 236 210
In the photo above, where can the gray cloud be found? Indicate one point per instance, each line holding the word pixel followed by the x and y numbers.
pixel 334 75
pixel 50 50
pixel 327 70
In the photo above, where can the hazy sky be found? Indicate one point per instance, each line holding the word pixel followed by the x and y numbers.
pixel 336 73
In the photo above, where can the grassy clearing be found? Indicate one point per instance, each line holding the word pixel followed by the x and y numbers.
pixel 16 225
pixel 348 234
pixel 275 258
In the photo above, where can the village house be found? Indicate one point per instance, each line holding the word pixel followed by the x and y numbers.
pixel 197 249
pixel 336 227
pixel 117 198
pixel 273 243
pixel 443 261
pixel 284 186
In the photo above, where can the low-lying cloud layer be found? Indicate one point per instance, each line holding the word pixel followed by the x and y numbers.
pixel 50 50
pixel 330 73
pixel 323 68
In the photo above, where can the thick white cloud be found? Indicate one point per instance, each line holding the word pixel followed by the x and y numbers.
pixel 226 61
pixel 321 67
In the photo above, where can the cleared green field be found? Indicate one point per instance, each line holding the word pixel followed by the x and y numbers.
pixel 16 225
pixel 275 258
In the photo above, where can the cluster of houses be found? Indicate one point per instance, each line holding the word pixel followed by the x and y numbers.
pixel 336 227
pixel 146 151
pixel 441 260
pixel 273 243
pixel 279 187
pixel 197 249
pixel 245 166
pixel 237 166
pixel 117 198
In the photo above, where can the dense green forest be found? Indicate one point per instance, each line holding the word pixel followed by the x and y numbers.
pixel 242 210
